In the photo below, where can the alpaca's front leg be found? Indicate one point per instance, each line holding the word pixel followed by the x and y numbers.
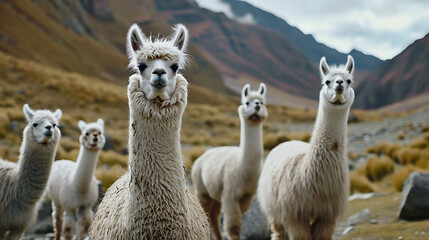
pixel 232 217
pixel 57 217
pixel 212 208
pixel 323 229
pixel 279 233
pixel 299 229
pixel 69 221
pixel 84 220
pixel 15 234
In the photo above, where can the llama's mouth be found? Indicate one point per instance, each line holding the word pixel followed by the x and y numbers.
pixel 255 118
pixel 158 86
pixel 338 102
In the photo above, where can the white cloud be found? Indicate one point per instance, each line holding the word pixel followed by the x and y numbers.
pixel 382 28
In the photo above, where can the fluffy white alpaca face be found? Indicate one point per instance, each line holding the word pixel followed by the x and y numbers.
pixel 337 81
pixel 43 124
pixel 92 137
pixel 157 61
pixel 253 104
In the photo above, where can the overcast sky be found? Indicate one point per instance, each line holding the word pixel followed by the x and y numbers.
pixel 382 28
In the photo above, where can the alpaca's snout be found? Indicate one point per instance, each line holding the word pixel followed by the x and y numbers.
pixel 257 107
pixel 48 133
pixel 159 71
pixel 158 83
pixel 339 89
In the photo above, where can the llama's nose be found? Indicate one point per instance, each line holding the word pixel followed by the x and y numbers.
pixel 257 107
pixel 95 139
pixel 48 127
pixel 159 71
pixel 339 81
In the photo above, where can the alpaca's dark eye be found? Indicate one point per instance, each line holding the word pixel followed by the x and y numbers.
pixel 87 134
pixel 142 67
pixel 327 82
pixel 349 81
pixel 54 125
pixel 174 67
pixel 35 124
pixel 247 103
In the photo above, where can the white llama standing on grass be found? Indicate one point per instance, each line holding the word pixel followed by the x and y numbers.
pixel 72 186
pixel 151 201
pixel 303 187
pixel 226 178
pixel 22 184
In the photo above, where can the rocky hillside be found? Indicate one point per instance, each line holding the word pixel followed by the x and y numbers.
pixel 305 43
pixel 402 77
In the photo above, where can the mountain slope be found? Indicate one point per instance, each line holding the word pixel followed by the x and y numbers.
pixel 245 53
pixel 404 76
pixel 305 43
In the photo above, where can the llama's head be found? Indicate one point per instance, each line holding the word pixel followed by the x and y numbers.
pixel 336 83
pixel 92 137
pixel 157 61
pixel 43 124
pixel 252 107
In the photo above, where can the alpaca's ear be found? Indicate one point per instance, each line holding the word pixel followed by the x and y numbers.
pixel 58 113
pixel 350 65
pixel 135 39
pixel 81 125
pixel 100 122
pixel 28 112
pixel 262 89
pixel 324 68
pixel 180 37
pixel 245 91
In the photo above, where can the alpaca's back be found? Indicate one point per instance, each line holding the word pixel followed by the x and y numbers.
pixel 62 191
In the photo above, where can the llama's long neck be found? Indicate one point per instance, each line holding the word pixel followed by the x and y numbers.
pixel 327 145
pixel 84 172
pixel 251 145
pixel 34 167
pixel 157 185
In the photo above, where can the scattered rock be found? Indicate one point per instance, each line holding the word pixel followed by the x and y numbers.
pixel 360 217
pixel 347 230
pixel 373 221
pixel 415 197
pixel 254 225
pixel 400 237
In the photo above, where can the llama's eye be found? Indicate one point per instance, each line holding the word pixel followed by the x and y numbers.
pixel 349 81
pixel 174 67
pixel 142 67
pixel 54 125
pixel 35 124
pixel 327 82
pixel 247 103
pixel 87 134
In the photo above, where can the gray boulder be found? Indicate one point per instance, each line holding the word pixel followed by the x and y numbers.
pixel 415 197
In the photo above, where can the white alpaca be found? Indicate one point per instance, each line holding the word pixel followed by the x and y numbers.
pixel 151 201
pixel 303 187
pixel 72 186
pixel 22 185
pixel 226 177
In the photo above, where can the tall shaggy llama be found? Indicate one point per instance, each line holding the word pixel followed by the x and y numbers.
pixel 22 185
pixel 72 186
pixel 303 187
pixel 151 201
pixel 227 177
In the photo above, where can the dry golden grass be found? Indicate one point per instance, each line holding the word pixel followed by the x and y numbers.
pixel 425 128
pixel 378 167
pixel 419 143
pixel 402 173
pixel 407 155
pixel 359 183
pixel 400 135
pixel 112 158
pixel 109 175
pixel 271 140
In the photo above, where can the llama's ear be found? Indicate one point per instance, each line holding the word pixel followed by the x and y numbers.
pixel 245 91
pixel 81 124
pixel 135 39
pixel 324 68
pixel 262 89
pixel 28 112
pixel 58 113
pixel 180 37
pixel 350 65
pixel 100 122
